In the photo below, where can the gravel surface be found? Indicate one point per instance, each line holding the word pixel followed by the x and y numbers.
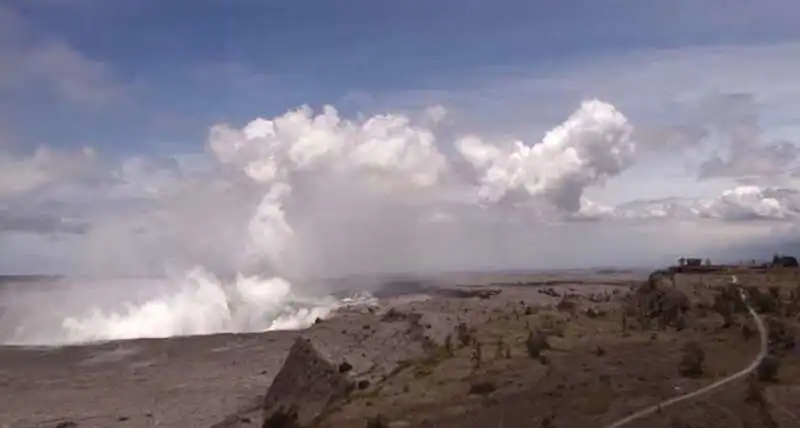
pixel 178 382
pixel 199 381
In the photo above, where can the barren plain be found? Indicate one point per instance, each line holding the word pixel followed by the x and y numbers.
pixel 513 350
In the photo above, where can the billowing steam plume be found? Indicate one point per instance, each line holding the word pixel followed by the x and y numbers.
pixel 323 195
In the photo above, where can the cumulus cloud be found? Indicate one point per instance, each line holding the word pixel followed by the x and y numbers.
pixel 310 193
pixel 485 175
pixel 593 145
pixel 299 140
pixel 677 99
pixel 245 233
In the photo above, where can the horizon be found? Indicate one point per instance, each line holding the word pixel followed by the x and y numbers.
pixel 367 175
pixel 457 135
pixel 400 275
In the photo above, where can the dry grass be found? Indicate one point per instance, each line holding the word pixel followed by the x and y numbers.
pixel 440 385
pixel 634 369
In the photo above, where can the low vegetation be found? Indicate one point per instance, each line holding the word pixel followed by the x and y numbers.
pixel 577 360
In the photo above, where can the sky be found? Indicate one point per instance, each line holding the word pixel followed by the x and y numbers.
pixel 307 138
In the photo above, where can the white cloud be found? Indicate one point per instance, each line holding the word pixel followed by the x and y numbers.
pixel 315 192
pixel 593 145
pixel 268 150
pixel 20 175
pixel 312 193
pixel 683 101
pixel 484 172
pixel 29 60
pixel 286 199
pixel 752 202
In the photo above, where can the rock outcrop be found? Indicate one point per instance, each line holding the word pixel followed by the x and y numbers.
pixel 306 384
pixel 336 356
pixel 655 300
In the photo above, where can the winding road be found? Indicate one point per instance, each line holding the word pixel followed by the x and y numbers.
pixel 762 330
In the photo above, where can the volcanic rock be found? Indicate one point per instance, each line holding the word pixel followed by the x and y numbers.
pixel 332 359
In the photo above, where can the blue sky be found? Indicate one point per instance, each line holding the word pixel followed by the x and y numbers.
pixel 107 108
pixel 182 66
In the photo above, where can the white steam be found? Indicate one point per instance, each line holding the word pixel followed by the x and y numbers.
pixel 202 305
pixel 198 304
pixel 311 193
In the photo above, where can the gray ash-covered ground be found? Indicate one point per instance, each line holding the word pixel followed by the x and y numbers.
pixel 177 382
pixel 183 381
pixel 432 354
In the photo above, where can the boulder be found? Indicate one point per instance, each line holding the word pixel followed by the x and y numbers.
pixel 305 385
pixel 337 356
pixel 654 300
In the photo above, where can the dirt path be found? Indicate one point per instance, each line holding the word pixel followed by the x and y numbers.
pixel 722 382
